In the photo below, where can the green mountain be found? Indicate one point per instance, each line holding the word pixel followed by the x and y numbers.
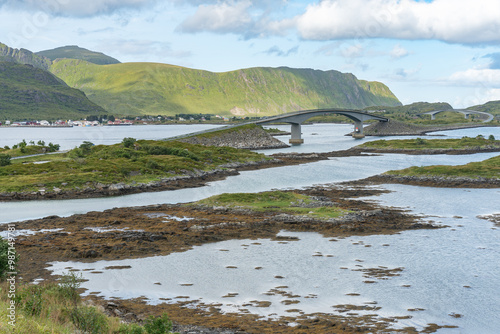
pixel 75 52
pixel 161 89
pixel 23 56
pixel 30 93
pixel 492 107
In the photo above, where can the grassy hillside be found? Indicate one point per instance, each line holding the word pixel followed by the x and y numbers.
pixel 75 52
pixel 160 89
pixel 492 107
pixel 28 93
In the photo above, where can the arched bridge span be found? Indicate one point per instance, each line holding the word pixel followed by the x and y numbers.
pixel 298 117
pixel 466 112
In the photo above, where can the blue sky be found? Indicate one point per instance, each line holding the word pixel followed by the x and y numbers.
pixel 440 50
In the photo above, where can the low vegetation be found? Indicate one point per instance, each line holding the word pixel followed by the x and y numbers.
pixel 23 148
pixel 161 89
pixel 58 308
pixel 278 201
pixel 463 143
pixel 130 162
pixel 489 169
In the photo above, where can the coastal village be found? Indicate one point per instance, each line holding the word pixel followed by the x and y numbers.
pixel 91 121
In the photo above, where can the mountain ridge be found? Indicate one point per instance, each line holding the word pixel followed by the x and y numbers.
pixel 30 93
pixel 23 56
pixel 76 52
pixel 164 89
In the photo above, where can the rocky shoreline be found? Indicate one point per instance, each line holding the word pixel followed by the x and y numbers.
pixel 253 138
pixel 396 128
pixel 200 178
pixel 435 181
pixel 127 233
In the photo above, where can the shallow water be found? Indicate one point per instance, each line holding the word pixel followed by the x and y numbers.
pixel 446 272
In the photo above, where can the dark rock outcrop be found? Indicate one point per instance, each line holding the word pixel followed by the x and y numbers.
pixel 247 138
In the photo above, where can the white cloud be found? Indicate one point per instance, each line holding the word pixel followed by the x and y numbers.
pixel 275 50
pixel 476 77
pixel 141 47
pixel 220 17
pixel 402 74
pixel 245 17
pixel 77 8
pixel 399 52
pixel 453 21
pixel 352 51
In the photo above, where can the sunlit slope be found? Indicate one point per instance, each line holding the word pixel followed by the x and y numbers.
pixel 161 89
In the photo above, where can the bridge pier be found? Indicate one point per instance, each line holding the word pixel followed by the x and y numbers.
pixel 296 138
pixel 358 130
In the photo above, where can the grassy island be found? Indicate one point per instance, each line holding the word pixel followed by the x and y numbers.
pixel 464 143
pixel 131 162
pixel 276 201
pixel 489 169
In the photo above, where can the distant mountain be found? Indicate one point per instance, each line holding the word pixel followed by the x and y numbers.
pixel 30 93
pixel 161 89
pixel 23 56
pixel 75 52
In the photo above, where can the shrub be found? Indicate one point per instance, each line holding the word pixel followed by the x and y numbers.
pixel 89 320
pixel 128 142
pixel 68 286
pixel 54 147
pixel 420 141
pixel 491 138
pixel 159 325
pixel 8 261
pixel 162 150
pixel 152 164
pixel 32 300
pixel 131 329
pixel 5 159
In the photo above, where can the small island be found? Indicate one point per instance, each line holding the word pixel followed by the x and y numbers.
pixel 482 174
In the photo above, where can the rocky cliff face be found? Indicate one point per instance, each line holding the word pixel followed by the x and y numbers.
pixel 23 56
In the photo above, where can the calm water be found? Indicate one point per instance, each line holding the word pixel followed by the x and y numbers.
pixel 69 138
pixel 449 271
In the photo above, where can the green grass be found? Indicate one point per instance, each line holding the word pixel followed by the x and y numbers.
pixel 489 168
pixel 492 107
pixel 278 201
pixel 30 93
pixel 161 89
pixel 147 161
pixel 426 144
pixel 75 52
pixel 57 308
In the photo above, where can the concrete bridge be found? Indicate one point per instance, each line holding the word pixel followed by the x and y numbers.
pixel 298 117
pixel 465 112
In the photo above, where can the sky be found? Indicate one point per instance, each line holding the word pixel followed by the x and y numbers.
pixel 423 50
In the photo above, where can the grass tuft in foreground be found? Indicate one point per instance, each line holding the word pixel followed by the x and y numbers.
pixel 58 308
